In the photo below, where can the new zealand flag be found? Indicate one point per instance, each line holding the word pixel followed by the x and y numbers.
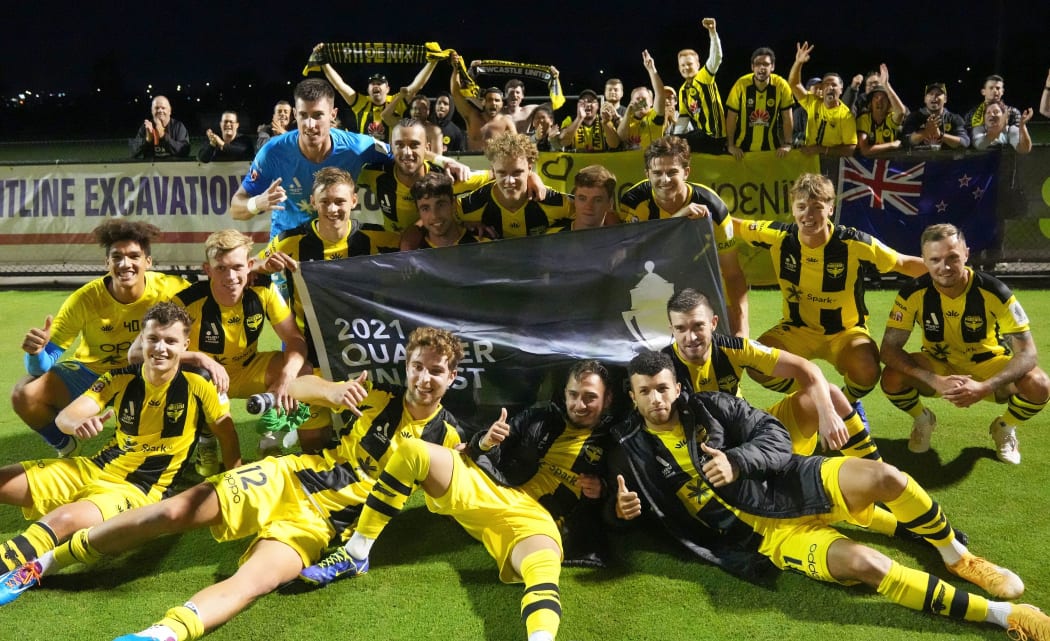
pixel 895 199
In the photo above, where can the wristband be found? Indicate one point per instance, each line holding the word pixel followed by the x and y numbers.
pixel 253 206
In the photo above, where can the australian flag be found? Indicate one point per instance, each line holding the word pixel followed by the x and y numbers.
pixel 895 199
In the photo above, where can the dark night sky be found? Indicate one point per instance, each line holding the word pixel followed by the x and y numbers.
pixel 51 46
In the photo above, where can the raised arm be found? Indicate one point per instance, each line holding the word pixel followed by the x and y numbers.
pixel 802 52
pixel 345 90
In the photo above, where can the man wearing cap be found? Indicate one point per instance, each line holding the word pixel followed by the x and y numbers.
pixel 933 125
pixel 798 113
pixel 830 126
pixel 368 108
pixel 485 122
pixel 592 129
pixel 879 125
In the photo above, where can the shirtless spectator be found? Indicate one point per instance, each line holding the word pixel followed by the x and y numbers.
pixel 513 95
pixel 1044 101
pixel 280 123
pixel 483 122
pixel 229 144
pixel 593 128
pixel 161 136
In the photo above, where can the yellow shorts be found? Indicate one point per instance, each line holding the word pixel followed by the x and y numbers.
pixel 57 482
pixel 265 499
pixel 801 544
pixel 979 371
pixel 251 378
pixel 500 517
pixel 812 344
pixel 784 411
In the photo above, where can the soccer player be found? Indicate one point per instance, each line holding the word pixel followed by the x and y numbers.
pixel 434 198
pixel 698 97
pixel 391 180
pixel 106 314
pixel 665 193
pixel 976 345
pixel 504 205
pixel 293 505
pixel 820 268
pixel 831 128
pixel 158 406
pixel 721 477
pixel 280 179
pixel 504 491
pixel 593 200
pixel 333 235
pixel 228 314
pixel 758 109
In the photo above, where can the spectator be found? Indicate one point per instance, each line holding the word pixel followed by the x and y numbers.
pixel 161 136
pixel 513 94
pixel 281 123
pixel 858 94
pixel 485 122
pixel 933 125
pixel 760 104
pixel 231 145
pixel 544 131
pixel 992 91
pixel 1044 101
pixel 831 129
pixel 592 129
pixel 614 95
pixel 798 113
pixel 452 137
pixel 698 97
pixel 418 110
pixel 996 132
pixel 879 126
pixel 368 109
pixel 644 123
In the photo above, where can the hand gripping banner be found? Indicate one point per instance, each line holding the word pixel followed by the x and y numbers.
pixel 521 70
pixel 373 53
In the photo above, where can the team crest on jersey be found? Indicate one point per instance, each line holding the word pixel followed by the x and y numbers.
pixel 592 453
pixel 973 322
pixel 758 118
pixel 254 321
pixel 174 411
pixel 835 270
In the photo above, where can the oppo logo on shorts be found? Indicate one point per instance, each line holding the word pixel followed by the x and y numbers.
pixel 811 561
pixel 231 486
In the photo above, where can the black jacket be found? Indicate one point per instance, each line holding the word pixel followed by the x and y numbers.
pixel 771 481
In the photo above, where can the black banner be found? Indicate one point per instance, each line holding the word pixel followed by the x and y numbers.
pixel 524 308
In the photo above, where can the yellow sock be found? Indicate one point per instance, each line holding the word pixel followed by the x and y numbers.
pixel 408 466
pixel 919 513
pixel 1021 409
pixel 883 521
pixel 28 546
pixel 860 443
pixel 77 550
pixel 184 622
pixel 541 604
pixel 921 591
pixel 854 391
pixel 907 401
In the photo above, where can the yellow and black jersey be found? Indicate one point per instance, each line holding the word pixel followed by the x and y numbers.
pixel 724 369
pixel 641 132
pixel 230 335
pixel 699 99
pixel 369 115
pixel 303 243
pixel 822 287
pixel 533 218
pixel 961 331
pixel 637 204
pixel 575 451
pixel 340 478
pixel 107 327
pixel 395 197
pixel 759 112
pixel 879 132
pixel 156 425
pixel 589 138
pixel 828 127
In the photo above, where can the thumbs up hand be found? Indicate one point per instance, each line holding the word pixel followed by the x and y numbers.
pixel 628 505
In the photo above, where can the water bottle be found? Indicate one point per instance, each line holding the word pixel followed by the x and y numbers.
pixel 259 403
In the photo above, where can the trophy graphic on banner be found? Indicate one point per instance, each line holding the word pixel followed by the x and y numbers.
pixel 647 318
